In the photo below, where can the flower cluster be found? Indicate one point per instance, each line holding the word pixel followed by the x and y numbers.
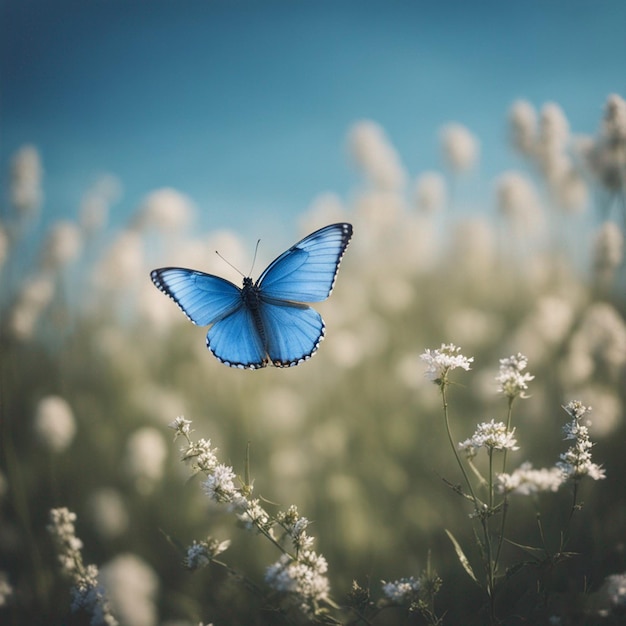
pixel 526 480
pixel 201 553
pixel 443 360
pixel 301 577
pixel 219 483
pixel 200 454
pixel 576 461
pixel 573 464
pixel 87 594
pixel 295 527
pixel 402 591
pixel 491 435
pixel 253 516
pixel 606 153
pixel 303 580
pixel 511 378
pixel 615 586
pixel 544 138
pixel 220 486
pixel 6 590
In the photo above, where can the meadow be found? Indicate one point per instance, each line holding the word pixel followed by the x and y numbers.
pixel 335 491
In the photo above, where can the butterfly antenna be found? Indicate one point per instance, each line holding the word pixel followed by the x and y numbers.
pixel 256 249
pixel 229 263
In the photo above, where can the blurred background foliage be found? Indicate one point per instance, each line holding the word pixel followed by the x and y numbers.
pixel 95 363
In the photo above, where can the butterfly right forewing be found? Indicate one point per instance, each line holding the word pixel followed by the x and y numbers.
pixel 307 271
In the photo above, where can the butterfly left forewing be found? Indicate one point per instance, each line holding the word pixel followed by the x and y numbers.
pixel 307 271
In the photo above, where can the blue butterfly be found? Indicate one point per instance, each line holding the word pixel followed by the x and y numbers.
pixel 263 322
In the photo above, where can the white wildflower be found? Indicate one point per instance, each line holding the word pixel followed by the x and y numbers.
pixel 572 192
pixel 54 424
pixel 220 486
pixel 614 123
pixel 523 122
pixel 181 426
pixel 7 592
pixel 552 141
pixel 374 153
pixel 4 245
pixel 303 579
pixel 443 360
pixel 430 192
pixel 615 586
pixel 200 455
pixel 144 461
pixel 460 147
pixel 253 515
pixel 122 265
pixel 608 250
pixel 26 175
pixel 201 553
pixel 576 461
pixel 526 480
pixel 576 409
pixel 491 435
pixel 165 210
pixel 603 332
pixel 473 248
pixel 87 593
pixel 132 586
pixel 606 155
pixel 35 295
pixel 108 512
pixel 62 246
pixel 518 202
pixel 296 526
pixel 512 380
pixel 95 204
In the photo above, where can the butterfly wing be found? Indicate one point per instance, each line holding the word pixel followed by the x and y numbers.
pixel 235 341
pixel 292 333
pixel 307 271
pixel 203 298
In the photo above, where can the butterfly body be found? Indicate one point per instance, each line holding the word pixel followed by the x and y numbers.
pixel 264 321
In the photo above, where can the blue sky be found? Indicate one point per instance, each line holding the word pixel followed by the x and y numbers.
pixel 245 105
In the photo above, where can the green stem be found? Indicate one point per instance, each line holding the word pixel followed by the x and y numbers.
pixel 508 427
pixel 490 454
pixel 454 450
pixel 504 502
pixel 477 508
pixel 491 563
pixel 566 530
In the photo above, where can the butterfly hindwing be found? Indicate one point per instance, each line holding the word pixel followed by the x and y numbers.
pixel 235 341
pixel 292 333
pixel 306 272
pixel 203 298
